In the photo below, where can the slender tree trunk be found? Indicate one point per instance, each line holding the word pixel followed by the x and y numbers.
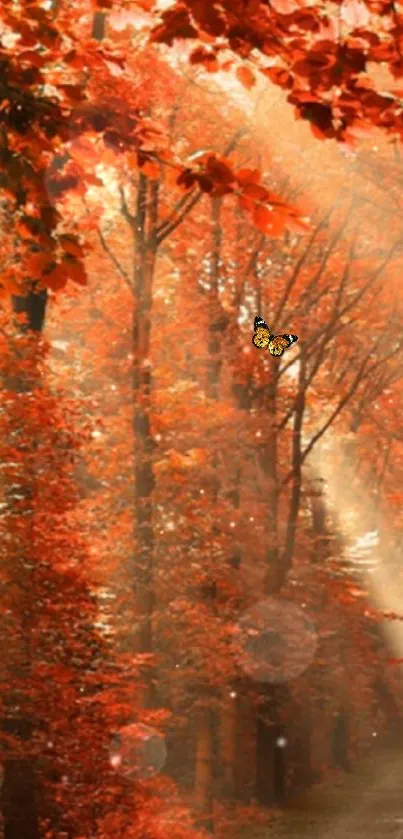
pixel 270 756
pixel 98 26
pixel 285 560
pixel 218 322
pixel 340 741
pixel 228 747
pixel 144 261
pixel 19 793
pixel 204 769
pixel 304 772
pixel 268 461
pixel 217 318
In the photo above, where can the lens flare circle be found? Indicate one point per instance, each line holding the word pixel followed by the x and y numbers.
pixel 138 751
pixel 276 641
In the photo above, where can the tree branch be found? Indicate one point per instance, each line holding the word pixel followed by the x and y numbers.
pixel 170 227
pixel 172 222
pixel 183 207
pixel 333 415
pixel 124 209
pixel 114 260
pixel 297 460
pixel 301 261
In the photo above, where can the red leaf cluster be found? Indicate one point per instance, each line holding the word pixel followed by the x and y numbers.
pixel 308 52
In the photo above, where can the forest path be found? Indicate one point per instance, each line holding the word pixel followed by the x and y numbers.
pixel 368 804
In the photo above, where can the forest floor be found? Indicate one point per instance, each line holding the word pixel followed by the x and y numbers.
pixel 366 804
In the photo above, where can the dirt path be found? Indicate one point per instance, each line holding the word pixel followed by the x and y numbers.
pixel 366 805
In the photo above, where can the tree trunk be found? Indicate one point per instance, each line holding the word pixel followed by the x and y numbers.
pixel 302 758
pixel 203 787
pixel 144 445
pixel 19 792
pixel 98 26
pixel 270 764
pixel 284 564
pixel 217 324
pixel 268 462
pixel 340 741
pixel 19 789
pixel 228 747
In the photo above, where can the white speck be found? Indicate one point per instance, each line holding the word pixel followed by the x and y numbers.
pixel 374 734
pixel 113 387
pixel 303 605
pixel 170 525
pixel 233 694
pixel 232 524
pixel 96 434
pixel 60 345
pixel 176 666
pixel 281 742
pixel 115 761
pixel 258 434
pixel 157 437
pixel 251 518
pixel 50 745
pixel 374 148
pixel 201 491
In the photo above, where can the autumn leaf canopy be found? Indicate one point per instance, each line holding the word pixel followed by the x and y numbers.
pixel 66 94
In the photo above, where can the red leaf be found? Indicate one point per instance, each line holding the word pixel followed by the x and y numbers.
pixel 209 17
pixel 205 183
pixel 248 176
pixel 187 178
pixel 246 77
pixel 219 170
pixel 268 221
pixel 151 170
pixel 252 193
pixel 75 270
pixel 71 245
pixel 280 77
pixel 203 56
pixel 55 279
pixel 37 263
pixel 176 24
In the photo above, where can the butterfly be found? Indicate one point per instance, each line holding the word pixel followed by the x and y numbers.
pixel 263 339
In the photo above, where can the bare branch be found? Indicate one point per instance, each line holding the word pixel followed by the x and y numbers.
pixel 169 228
pixel 130 218
pixel 114 260
pixel 297 461
pixel 338 408
pixel 249 268
pixel 301 261
pixel 160 232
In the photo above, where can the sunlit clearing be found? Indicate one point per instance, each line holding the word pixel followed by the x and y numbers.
pixel 361 541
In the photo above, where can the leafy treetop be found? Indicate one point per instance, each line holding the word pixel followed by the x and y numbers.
pixel 324 55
